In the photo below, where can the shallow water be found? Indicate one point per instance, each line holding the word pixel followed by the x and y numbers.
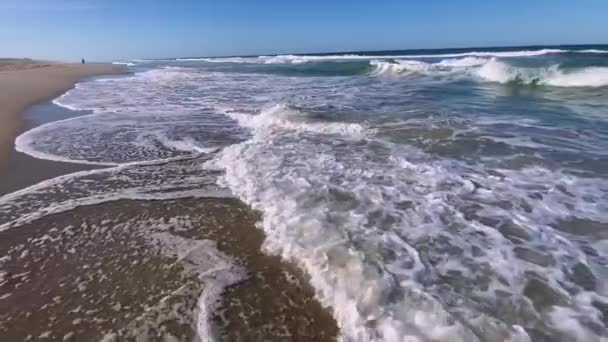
pixel 22 170
pixel 431 195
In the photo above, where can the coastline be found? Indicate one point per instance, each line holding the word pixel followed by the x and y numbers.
pixel 281 290
pixel 23 85
pixel 22 170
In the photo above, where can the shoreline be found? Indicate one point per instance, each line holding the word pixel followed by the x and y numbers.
pixel 281 290
pixel 22 170
pixel 23 85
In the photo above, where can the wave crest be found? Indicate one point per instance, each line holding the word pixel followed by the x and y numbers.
pixel 123 63
pixel 297 59
pixel 405 66
pixel 399 67
pixel 463 62
pixel 283 117
pixel 495 70
pixel 501 72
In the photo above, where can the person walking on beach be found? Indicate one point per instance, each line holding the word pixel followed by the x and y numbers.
pixel 83 61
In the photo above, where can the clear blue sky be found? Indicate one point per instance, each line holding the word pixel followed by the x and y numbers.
pixel 127 29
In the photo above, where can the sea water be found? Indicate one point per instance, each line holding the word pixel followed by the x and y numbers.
pixel 439 195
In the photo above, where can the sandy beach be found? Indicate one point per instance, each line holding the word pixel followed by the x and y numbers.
pixel 25 82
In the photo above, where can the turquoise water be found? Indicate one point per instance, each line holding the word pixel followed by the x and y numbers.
pixel 445 195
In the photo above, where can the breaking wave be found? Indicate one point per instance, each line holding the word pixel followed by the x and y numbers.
pixel 328 206
pixel 399 67
pixel 495 70
pixel 283 117
pixel 405 66
pixel 298 59
pixel 501 72
pixel 123 63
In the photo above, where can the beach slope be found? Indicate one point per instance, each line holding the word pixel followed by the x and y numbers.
pixel 23 84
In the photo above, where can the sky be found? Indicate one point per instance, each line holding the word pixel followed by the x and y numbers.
pixel 105 30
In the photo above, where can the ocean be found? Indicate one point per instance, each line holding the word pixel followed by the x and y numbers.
pixel 424 195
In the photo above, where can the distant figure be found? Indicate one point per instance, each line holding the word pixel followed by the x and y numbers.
pixel 83 61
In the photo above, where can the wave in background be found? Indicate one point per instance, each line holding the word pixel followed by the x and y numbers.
pixel 297 59
pixel 508 67
pixel 495 70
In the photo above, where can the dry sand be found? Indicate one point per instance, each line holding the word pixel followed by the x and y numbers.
pixel 24 83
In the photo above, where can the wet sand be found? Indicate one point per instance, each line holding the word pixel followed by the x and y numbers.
pixel 25 82
pixel 94 272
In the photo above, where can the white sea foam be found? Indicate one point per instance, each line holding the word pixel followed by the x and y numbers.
pixel 399 67
pixel 296 59
pixel 158 180
pixel 517 141
pixel 130 122
pixel 214 269
pixel 587 77
pixel 176 68
pixel 496 70
pixel 565 320
pixel 490 66
pixel 25 143
pixel 328 207
pixel 405 66
pixel 463 62
pixel 501 72
pixel 504 54
pixel 123 63
pixel 281 116
pixel 354 289
pixel 282 59
pixel 217 59
pixel 591 51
